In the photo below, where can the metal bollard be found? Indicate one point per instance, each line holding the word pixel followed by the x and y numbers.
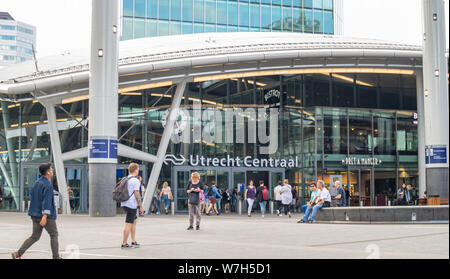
pixel 361 203
pixel 389 203
pixel 172 207
pixel 240 207
pixel 271 207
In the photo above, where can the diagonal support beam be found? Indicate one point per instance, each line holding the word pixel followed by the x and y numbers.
pixel 57 156
pixel 162 149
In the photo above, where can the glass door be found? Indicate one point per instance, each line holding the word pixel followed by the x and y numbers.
pixel 275 177
pixel 75 188
pixel 361 190
pixel 181 196
pixel 30 175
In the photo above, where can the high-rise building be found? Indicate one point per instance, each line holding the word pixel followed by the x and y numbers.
pixel 17 40
pixel 150 18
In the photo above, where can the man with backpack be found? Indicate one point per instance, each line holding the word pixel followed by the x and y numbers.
pixel 262 195
pixel 127 192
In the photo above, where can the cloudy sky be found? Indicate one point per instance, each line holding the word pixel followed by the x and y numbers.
pixel 65 24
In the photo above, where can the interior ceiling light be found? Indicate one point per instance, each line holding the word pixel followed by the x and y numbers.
pixel 306 71
pixel 341 77
pixel 145 86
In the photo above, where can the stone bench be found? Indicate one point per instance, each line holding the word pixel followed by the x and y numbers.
pixel 384 213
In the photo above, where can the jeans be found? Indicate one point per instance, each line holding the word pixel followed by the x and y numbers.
pixel 166 201
pixel 250 205
pixel 194 209
pixel 263 207
pixel 219 204
pixel 233 204
pixel 52 230
pixel 304 207
pixel 312 209
pixel 156 202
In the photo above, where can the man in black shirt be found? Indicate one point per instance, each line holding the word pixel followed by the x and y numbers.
pixel 194 190
pixel 341 197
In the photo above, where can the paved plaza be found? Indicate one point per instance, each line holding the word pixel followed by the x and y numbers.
pixel 231 236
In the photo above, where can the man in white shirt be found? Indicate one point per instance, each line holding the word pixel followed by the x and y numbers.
pixel 277 196
pixel 323 200
pixel 130 207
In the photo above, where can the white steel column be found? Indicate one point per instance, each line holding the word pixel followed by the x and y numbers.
pixel 103 107
pixel 57 157
pixel 165 139
pixel 436 105
pixel 421 134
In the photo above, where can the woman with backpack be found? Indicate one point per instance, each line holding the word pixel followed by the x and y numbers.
pixel 213 194
pixel 250 194
pixel 226 200
pixel 262 197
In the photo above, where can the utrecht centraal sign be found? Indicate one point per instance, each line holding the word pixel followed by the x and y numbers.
pixel 229 161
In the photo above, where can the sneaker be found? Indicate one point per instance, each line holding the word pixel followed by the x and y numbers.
pixel 190 228
pixel 310 221
pixel 262 216
pixel 290 215
pixel 158 213
pixel 197 228
pixel 15 256
pixel 127 246
pixel 135 244
pixel 301 221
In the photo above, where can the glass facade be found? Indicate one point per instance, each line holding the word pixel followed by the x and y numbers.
pixel 150 18
pixel 324 121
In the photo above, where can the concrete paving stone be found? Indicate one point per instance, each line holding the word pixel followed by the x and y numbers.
pixel 227 237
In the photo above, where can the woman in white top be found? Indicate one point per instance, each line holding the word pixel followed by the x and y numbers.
pixel 286 197
pixel 166 194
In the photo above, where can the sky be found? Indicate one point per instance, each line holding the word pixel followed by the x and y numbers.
pixel 64 25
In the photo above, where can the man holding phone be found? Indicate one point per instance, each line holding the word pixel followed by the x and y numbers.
pixel 193 190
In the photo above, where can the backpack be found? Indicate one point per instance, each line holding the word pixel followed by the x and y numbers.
pixel 120 192
pixel 265 195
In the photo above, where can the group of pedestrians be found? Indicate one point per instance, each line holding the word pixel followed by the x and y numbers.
pixel 320 197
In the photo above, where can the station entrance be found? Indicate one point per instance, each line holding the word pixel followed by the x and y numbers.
pixel 225 178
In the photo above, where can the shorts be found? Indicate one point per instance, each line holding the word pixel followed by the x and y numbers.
pixel 131 214
pixel 212 200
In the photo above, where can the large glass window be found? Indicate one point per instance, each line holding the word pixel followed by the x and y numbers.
pixel 163 9
pixel 139 8
pixel 152 28
pixel 318 4
pixel 384 134
pixel 175 9
pixel 211 11
pixel 265 16
pixel 328 4
pixel 243 14
pixel 308 16
pixel 318 21
pixel 222 12
pixel 139 28
pixel 276 17
pixel 297 20
pixel 152 9
pixel 199 11
pixel 254 15
pixel 232 13
pixel 328 22
pixel 360 132
pixel 127 28
pixel 287 19
pixel 187 10
pixel 127 7
pixel 335 131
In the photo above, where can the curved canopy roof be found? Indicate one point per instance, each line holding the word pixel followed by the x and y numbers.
pixel 210 53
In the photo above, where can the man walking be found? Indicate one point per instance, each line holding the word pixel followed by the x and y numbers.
pixel 341 197
pixel 130 206
pixel 194 189
pixel 323 200
pixel 277 196
pixel 42 212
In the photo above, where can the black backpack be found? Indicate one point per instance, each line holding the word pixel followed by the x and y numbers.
pixel 120 192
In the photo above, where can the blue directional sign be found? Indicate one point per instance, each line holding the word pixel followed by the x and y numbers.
pixel 103 149
pixel 436 155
